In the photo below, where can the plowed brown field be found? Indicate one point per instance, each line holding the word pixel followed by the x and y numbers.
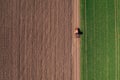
pixel 37 40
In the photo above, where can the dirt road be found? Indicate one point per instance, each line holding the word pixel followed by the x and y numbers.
pixel 37 40
pixel 76 41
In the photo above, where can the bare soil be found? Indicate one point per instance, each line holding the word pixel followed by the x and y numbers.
pixel 37 40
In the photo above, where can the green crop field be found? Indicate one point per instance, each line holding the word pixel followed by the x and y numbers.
pixel 100 55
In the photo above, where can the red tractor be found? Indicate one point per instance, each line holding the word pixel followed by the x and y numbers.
pixel 78 32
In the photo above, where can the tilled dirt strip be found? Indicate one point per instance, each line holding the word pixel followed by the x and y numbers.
pixel 76 41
